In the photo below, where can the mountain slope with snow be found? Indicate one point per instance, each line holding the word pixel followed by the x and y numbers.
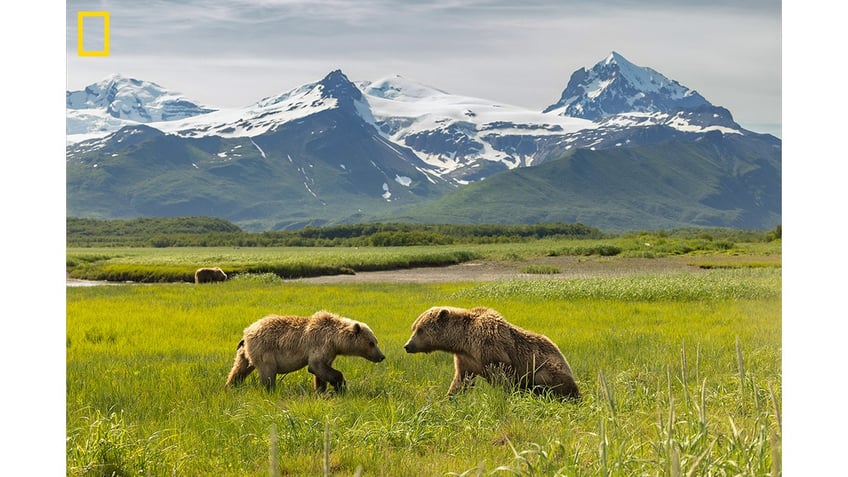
pixel 118 101
pixel 335 151
pixel 717 181
pixel 462 137
pixel 615 85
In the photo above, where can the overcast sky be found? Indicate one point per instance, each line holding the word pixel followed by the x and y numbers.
pixel 235 52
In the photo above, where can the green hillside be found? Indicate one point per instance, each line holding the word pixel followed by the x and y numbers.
pixel 716 182
pixel 274 181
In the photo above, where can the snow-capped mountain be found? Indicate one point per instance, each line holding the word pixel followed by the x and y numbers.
pixel 615 85
pixel 335 151
pixel 462 137
pixel 118 101
pixel 459 137
pixel 333 91
pixel 305 156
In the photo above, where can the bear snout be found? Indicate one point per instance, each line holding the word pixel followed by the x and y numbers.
pixel 409 347
pixel 379 357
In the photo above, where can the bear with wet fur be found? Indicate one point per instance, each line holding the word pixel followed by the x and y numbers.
pixel 279 344
pixel 484 344
pixel 209 275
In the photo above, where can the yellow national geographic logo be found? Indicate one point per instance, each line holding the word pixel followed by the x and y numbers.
pixel 81 17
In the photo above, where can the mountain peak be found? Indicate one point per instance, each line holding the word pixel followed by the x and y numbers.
pixel 398 88
pixel 136 100
pixel 614 85
pixel 337 85
pixel 615 57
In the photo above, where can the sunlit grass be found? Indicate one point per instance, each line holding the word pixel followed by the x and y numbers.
pixel 656 359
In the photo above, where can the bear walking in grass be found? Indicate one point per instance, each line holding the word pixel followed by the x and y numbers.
pixel 281 344
pixel 209 275
pixel 484 344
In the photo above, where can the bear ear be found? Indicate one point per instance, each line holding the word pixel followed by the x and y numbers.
pixel 356 328
pixel 443 313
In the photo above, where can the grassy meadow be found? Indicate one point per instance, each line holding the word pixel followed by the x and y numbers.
pixel 680 375
pixel 177 264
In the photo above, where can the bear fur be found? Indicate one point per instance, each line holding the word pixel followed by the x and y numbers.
pixel 209 275
pixel 484 344
pixel 282 344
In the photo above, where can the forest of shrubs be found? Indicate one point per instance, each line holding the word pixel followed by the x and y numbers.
pixel 214 232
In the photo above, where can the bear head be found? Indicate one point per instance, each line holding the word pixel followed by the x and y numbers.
pixel 431 327
pixel 360 341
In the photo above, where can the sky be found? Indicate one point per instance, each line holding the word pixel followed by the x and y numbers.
pixel 233 53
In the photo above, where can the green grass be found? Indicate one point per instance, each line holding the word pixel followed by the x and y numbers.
pixel 177 264
pixel 681 375
pixel 152 265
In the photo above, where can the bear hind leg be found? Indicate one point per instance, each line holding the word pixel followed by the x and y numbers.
pixel 241 367
pixel 268 375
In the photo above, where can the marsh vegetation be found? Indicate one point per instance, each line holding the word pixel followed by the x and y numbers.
pixel 680 373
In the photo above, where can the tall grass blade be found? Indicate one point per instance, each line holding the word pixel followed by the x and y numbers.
pixel 668 380
pixel 327 449
pixel 675 462
pixel 776 455
pixel 702 412
pixel 670 428
pixel 683 373
pixel 740 363
pixel 606 392
pixel 602 449
pixel 273 454
pixel 776 406
pixel 698 461
pixel 698 362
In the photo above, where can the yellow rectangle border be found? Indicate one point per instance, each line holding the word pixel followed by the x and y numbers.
pixel 80 18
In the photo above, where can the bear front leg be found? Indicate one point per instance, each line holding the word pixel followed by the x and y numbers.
pixel 502 374
pixel 462 377
pixel 319 384
pixel 325 374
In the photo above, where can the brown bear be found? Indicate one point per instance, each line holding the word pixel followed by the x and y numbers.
pixel 208 275
pixel 282 344
pixel 483 343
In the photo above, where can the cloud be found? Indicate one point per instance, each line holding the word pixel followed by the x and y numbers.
pixel 517 53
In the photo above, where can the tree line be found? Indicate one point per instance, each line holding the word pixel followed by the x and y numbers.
pixel 214 232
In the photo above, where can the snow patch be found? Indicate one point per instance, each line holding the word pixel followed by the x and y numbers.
pixel 258 148
pixel 310 190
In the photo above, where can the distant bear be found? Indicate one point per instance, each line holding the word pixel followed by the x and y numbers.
pixel 485 344
pixel 282 344
pixel 208 275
